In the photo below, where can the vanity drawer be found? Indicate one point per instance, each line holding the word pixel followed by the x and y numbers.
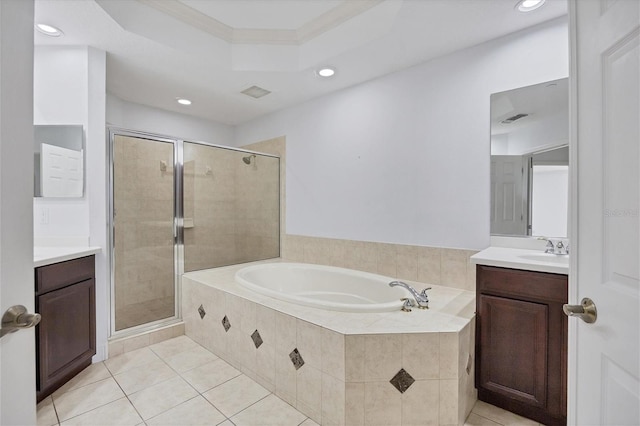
pixel 529 285
pixel 58 275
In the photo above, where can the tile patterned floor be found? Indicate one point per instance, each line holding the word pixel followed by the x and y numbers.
pixel 177 382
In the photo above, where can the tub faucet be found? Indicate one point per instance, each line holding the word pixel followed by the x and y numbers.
pixel 422 299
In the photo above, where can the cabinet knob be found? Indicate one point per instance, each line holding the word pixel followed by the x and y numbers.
pixel 586 311
pixel 16 318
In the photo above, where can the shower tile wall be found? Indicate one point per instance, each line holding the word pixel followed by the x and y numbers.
pixel 231 208
pixel 143 204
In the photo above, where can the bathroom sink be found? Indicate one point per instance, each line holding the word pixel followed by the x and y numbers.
pixel 546 257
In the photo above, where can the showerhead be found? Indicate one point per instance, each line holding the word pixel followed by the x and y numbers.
pixel 247 159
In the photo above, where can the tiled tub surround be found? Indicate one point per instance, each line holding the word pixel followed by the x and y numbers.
pixel 388 368
pixel 433 265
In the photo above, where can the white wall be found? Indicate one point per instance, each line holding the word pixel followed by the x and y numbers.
pixel 60 83
pixel 405 158
pixel 132 116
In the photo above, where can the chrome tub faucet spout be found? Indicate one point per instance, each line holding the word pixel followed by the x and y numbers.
pixel 421 299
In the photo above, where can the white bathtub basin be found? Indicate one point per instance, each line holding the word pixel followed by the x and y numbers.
pixel 323 287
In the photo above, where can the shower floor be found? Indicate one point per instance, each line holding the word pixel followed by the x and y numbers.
pixel 144 312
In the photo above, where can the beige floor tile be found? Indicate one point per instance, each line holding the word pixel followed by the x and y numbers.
pixel 210 375
pixel 142 377
pixel 226 423
pixel 309 422
pixel 187 360
pixel 91 374
pixel 162 397
pixel 197 412
pixel 235 395
pixel 476 420
pixel 86 398
pixel 129 360
pixel 500 415
pixel 116 413
pixel 174 346
pixel 270 411
pixel 46 413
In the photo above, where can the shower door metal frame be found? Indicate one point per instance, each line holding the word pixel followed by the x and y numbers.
pixel 178 222
pixel 178 250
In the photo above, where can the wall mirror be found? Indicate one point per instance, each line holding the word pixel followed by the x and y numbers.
pixel 530 160
pixel 58 161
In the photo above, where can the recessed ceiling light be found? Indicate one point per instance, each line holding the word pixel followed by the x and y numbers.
pixel 326 72
pixel 183 101
pixel 49 30
pixel 529 5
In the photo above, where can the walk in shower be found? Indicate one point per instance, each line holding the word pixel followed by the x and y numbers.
pixel 178 206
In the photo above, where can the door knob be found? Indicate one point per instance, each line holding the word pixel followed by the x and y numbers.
pixel 586 311
pixel 17 318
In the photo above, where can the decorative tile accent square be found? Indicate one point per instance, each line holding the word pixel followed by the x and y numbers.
pixel 296 359
pixel 225 323
pixel 202 312
pixel 257 340
pixel 402 380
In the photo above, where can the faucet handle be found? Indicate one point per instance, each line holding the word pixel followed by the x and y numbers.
pixel 424 294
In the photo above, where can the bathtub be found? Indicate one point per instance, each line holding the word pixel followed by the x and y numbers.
pixel 323 287
pixel 337 367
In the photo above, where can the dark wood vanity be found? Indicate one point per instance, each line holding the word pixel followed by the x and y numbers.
pixel 521 342
pixel 66 335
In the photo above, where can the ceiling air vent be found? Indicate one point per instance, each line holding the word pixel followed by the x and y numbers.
pixel 513 118
pixel 255 92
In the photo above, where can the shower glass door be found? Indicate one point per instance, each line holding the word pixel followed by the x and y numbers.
pixel 143 223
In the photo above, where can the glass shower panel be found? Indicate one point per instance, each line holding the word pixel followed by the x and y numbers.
pixel 231 207
pixel 143 220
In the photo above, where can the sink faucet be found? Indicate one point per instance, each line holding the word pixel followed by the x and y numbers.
pixel 557 246
pixel 422 299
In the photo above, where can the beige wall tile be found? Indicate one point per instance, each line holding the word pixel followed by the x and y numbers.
pixel 286 338
pixel 286 378
pixel 266 365
pixel 382 356
pixel 354 358
pixel 309 343
pixel 449 355
pixel 407 262
pixel 354 403
pixel 454 268
pixel 333 401
pixel 429 265
pixel 386 259
pixel 449 402
pixel 382 404
pixel 309 391
pixel 421 355
pixel 333 354
pixel 420 403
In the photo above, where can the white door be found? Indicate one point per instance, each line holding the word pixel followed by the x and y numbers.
pixel 604 359
pixel 508 195
pixel 61 171
pixel 17 350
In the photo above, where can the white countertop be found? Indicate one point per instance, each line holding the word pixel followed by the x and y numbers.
pixel 47 255
pixel 528 260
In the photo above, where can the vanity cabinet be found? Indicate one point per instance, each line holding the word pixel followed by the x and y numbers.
pixel 521 342
pixel 66 335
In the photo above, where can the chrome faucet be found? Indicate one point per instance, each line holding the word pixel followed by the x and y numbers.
pixel 556 246
pixel 421 299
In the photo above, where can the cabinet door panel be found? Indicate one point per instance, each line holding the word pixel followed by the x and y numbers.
pixel 513 348
pixel 66 334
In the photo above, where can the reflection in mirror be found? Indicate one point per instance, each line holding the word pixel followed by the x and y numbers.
pixel 530 160
pixel 58 161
